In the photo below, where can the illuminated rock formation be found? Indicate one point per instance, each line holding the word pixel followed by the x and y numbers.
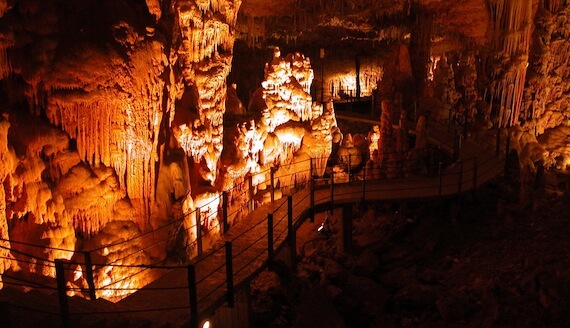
pixel 289 134
pixel 444 78
pixel 386 140
pixel 108 85
pixel 467 81
pixel 349 154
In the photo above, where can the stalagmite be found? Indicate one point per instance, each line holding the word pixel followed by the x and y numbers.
pixel 385 142
pixel 349 155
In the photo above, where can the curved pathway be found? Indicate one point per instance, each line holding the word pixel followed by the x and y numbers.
pixel 477 165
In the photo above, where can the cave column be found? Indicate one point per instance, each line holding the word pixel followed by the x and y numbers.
pixel 511 27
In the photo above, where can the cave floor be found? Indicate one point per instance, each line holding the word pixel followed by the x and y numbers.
pixel 483 263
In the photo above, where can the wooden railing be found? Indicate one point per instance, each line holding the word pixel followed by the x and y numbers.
pixel 259 241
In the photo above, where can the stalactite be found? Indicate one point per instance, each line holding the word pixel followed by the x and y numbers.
pixel 554 5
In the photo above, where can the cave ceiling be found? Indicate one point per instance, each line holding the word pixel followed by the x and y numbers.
pixel 362 23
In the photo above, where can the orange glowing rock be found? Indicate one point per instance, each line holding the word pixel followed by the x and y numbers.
pixel 291 133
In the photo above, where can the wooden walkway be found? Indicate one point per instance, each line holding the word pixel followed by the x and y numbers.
pixel 478 164
pixel 184 293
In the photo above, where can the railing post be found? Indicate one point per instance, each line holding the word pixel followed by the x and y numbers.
pixel 364 183
pixel 5 311
pixel 272 177
pixel 332 192
pixel 498 146
pixel 347 227
pixel 62 292
pixel 270 254
pixel 439 173
pixel 455 145
pixel 193 294
pixel 312 191
pixel 289 214
pixel 198 231
pixel 348 169
pixel 291 238
pixel 507 145
pixel 460 182
pixel 225 212
pixel 312 199
pixel 250 194
pixel 475 163
pixel 449 119
pixel 89 275
pixel 229 275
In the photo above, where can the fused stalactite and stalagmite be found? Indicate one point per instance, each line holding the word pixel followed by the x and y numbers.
pixel 511 25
